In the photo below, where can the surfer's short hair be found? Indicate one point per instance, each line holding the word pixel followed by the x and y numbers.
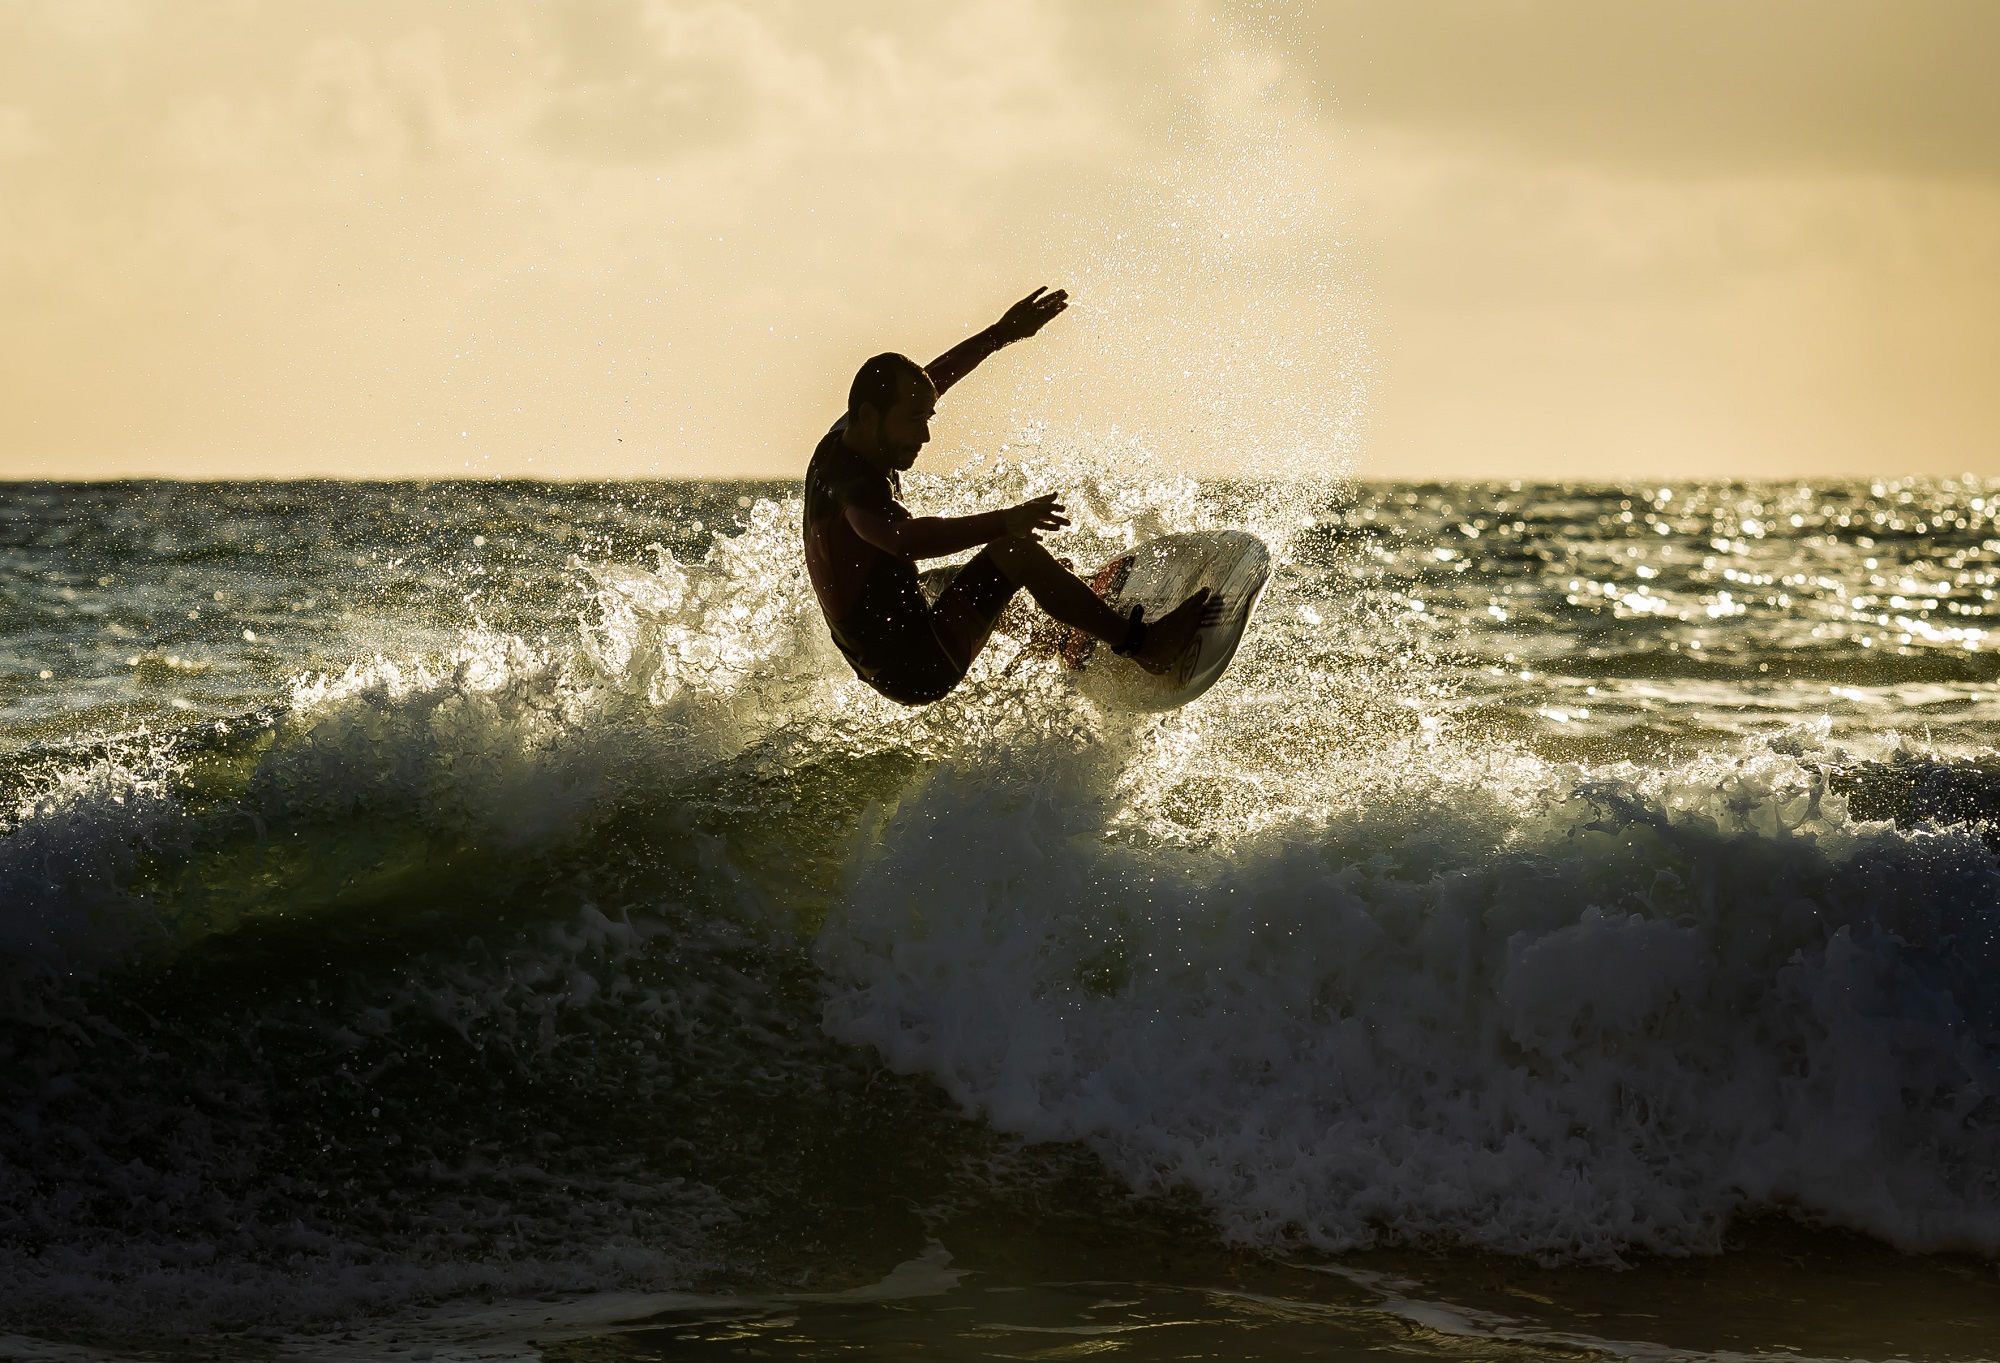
pixel 884 379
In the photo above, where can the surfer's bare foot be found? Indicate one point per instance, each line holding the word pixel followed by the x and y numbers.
pixel 1168 637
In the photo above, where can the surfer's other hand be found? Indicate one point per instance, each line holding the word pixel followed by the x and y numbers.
pixel 1031 314
pixel 1032 517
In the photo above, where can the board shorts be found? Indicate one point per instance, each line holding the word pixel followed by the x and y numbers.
pixel 924 661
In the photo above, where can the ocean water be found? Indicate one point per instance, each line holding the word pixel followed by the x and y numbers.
pixel 485 920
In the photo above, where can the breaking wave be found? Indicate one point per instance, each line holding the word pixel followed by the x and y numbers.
pixel 639 956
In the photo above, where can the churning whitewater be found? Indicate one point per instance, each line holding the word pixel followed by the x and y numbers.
pixel 535 902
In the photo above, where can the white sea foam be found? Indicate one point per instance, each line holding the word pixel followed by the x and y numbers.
pixel 1567 1015
pixel 70 846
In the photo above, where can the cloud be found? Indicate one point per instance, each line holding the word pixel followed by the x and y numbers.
pixel 637 82
pixel 613 237
pixel 1698 237
pixel 1898 87
pixel 628 235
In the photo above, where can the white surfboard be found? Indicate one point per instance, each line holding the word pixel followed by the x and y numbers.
pixel 1159 575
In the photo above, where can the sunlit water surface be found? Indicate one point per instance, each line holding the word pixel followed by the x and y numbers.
pixel 486 920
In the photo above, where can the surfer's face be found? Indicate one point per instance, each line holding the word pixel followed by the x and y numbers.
pixel 906 427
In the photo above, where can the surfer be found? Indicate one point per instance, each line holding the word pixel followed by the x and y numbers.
pixel 862 544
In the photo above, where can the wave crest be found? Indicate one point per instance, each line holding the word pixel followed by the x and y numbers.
pixel 1601 1016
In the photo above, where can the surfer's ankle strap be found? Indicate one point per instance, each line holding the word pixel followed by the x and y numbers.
pixel 1135 634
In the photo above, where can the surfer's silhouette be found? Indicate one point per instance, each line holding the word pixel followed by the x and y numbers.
pixel 862 545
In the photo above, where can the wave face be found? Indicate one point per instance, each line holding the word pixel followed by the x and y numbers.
pixel 617 937
pixel 1572 1020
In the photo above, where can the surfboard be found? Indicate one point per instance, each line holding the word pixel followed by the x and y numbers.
pixel 1159 575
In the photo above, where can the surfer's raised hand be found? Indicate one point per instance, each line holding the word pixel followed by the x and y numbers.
pixel 1031 314
pixel 1031 517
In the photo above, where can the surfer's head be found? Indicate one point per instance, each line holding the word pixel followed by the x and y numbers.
pixel 889 410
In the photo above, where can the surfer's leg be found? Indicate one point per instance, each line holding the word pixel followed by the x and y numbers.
pixel 915 666
pixel 968 609
pixel 1056 590
pixel 1069 599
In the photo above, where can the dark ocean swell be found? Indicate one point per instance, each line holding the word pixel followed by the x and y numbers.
pixel 661 953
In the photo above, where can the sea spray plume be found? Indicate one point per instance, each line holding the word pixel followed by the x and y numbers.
pixel 741 623
pixel 1567 1019
pixel 675 668
pixel 495 742
pixel 490 739
pixel 1221 318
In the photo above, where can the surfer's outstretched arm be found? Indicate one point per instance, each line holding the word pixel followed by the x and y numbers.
pixel 1019 322
pixel 919 537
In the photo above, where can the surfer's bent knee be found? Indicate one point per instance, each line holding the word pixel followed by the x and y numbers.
pixel 1015 552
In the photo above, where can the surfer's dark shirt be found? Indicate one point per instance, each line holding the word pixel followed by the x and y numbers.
pixel 873 605
pixel 869 596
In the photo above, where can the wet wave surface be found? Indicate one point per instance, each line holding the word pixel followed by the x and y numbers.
pixel 589 929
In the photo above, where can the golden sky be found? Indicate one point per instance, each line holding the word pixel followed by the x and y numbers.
pixel 1415 238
